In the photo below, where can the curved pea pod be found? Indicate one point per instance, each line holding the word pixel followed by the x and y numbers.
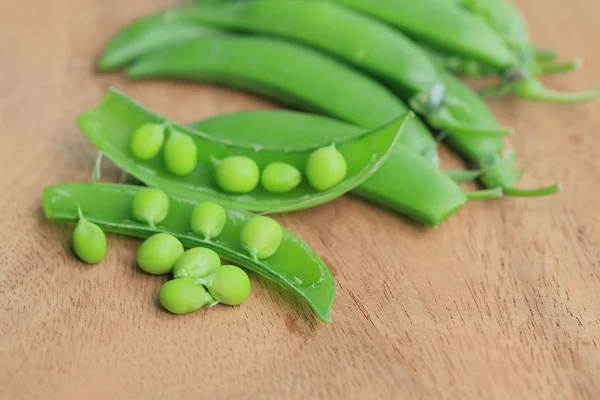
pixel 382 51
pixel 498 169
pixel 294 265
pixel 149 33
pixel 406 183
pixel 289 73
pixel 446 26
pixel 110 125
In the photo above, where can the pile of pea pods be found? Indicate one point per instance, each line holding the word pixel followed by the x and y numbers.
pixel 375 86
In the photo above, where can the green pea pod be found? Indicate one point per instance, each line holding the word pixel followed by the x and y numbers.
pixel 112 123
pixel 405 183
pixel 381 51
pixel 446 26
pixel 498 169
pixel 294 265
pixel 150 33
pixel 306 82
pixel 310 81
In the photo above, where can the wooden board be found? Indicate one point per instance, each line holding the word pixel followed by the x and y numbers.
pixel 502 301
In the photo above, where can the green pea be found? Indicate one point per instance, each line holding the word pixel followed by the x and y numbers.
pixel 147 141
pixel 237 174
pixel 196 263
pixel 182 296
pixel 151 206
pixel 208 219
pixel 325 168
pixel 228 285
pixel 279 177
pixel 89 241
pixel 261 237
pixel 158 254
pixel 180 154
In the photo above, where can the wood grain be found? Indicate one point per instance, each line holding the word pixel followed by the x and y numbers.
pixel 501 302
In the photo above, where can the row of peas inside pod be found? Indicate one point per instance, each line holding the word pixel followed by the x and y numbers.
pixel 325 167
pixel 195 269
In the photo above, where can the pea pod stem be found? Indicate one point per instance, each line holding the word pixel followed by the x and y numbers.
pixel 485 194
pixel 554 68
pixel 543 191
pixel 97 170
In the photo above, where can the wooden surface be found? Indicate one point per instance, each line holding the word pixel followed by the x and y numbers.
pixel 501 302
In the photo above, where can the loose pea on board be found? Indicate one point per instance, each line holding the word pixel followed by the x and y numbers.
pixel 147 140
pixel 150 205
pixel 208 219
pixel 325 168
pixel 183 296
pixel 278 177
pixel 180 154
pixel 261 237
pixel 237 174
pixel 158 254
pixel 196 263
pixel 227 284
pixel 89 241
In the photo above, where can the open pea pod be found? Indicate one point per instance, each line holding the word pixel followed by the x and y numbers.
pixel 112 123
pixel 408 184
pixel 294 266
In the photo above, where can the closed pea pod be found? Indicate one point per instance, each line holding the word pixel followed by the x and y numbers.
pixel 228 285
pixel 279 177
pixel 444 25
pixel 150 205
pixel 180 154
pixel 237 174
pixel 183 296
pixel 295 266
pixel 158 254
pixel 147 141
pixel 196 263
pixel 89 241
pixel 381 51
pixel 261 237
pixel 208 219
pixel 325 168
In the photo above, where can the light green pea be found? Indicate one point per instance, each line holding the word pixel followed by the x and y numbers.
pixel 237 174
pixel 325 168
pixel 180 154
pixel 158 254
pixel 227 284
pixel 150 205
pixel 196 263
pixel 182 296
pixel 261 237
pixel 147 141
pixel 278 177
pixel 89 241
pixel 208 219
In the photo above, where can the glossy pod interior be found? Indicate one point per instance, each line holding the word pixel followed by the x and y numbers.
pixel 112 123
pixel 294 265
pixel 416 188
pixel 381 51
